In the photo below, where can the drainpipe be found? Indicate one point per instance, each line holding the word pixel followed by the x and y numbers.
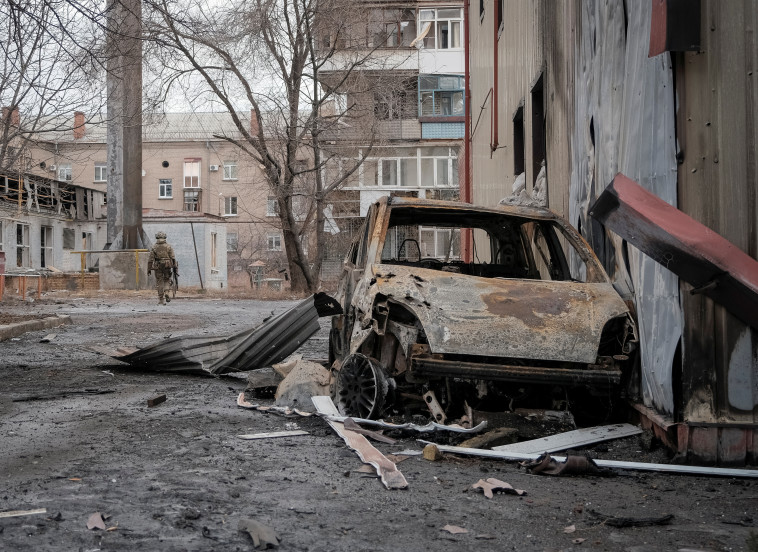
pixel 496 78
pixel 467 191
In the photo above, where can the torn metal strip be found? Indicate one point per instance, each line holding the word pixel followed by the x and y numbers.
pixel 385 468
pixel 428 428
pixel 272 434
pixel 571 439
pixel 639 466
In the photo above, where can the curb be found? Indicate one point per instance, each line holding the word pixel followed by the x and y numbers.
pixel 13 330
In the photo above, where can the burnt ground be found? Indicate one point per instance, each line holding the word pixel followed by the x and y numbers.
pixel 78 438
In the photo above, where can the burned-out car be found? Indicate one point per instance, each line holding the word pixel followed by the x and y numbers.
pixel 447 304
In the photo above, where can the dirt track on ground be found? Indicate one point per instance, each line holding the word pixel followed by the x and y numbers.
pixel 78 438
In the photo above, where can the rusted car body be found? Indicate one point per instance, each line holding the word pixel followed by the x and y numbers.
pixel 532 313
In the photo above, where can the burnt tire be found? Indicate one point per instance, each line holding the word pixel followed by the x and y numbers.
pixel 361 387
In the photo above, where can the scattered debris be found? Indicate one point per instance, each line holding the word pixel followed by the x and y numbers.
pixel 281 410
pixel 570 529
pixel 96 521
pixel 428 428
pixel 491 439
pixel 367 468
pixel 155 401
pixel 615 521
pixel 350 424
pixel 454 529
pixel 640 466
pixel 48 338
pixel 264 345
pixel 387 470
pixel 490 485
pixel 434 407
pixel 432 453
pixel 572 439
pixel 262 382
pixel 578 541
pixel 263 536
pixel 305 380
pixel 17 513
pixel 272 435
pixel 284 368
pixel 575 464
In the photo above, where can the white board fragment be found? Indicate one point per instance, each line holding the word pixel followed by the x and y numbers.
pixel 572 439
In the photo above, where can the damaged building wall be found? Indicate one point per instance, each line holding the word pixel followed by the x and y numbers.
pixel 716 131
pixel 624 121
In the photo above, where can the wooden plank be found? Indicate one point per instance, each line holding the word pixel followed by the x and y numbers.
pixel 639 466
pixel 385 468
pixel 571 439
pixel 17 513
pixel 273 434
pixel 155 401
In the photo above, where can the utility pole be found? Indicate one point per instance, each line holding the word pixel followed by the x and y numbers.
pixel 124 142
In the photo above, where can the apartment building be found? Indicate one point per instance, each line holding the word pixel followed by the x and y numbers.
pixel 414 84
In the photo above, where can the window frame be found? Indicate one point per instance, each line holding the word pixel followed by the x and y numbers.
pixel 233 169
pixel 232 238
pixel 271 200
pixel 104 170
pixel 230 206
pixel 439 93
pixel 47 234
pixel 190 162
pixel 435 22
pixel 196 201
pixel 23 249
pixel 277 242
pixel 161 190
pixel 66 170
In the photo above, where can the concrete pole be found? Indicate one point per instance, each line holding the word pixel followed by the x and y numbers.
pixel 124 141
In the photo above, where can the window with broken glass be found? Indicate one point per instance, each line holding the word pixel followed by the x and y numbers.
pixel 22 245
pixel 441 28
pixel 64 172
pixel 46 246
pixel 440 96
pixel 390 28
pixel 192 200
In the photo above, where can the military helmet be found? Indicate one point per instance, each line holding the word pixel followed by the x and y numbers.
pixel 160 236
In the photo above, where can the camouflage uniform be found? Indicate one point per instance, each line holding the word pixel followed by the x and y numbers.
pixel 162 261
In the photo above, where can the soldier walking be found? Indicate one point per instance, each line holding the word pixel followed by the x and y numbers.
pixel 163 262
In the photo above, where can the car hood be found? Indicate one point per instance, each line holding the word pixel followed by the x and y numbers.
pixel 498 317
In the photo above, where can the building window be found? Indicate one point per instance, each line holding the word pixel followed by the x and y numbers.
pixel 192 173
pixel 274 242
pixel 230 170
pixel 390 28
pixel 101 172
pixel 232 241
pixel 214 245
pixel 230 206
pixel 396 103
pixel 429 167
pixel 440 96
pixel 272 207
pixel 64 171
pixel 440 243
pixel 441 28
pixel 22 245
pixel 519 158
pixel 1 236
pixel 46 246
pixel 165 188
pixel 192 200
pixel 69 238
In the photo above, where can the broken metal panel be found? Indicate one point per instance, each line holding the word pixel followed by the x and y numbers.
pixel 264 345
pixel 571 439
pixel 692 251
pixel 469 315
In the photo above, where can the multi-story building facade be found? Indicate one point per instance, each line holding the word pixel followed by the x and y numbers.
pixel 414 85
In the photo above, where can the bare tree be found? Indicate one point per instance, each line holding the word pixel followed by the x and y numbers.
pixel 288 64
pixel 50 65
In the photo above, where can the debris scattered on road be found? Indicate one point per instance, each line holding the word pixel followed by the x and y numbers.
pixel 305 379
pixel 96 521
pixel 433 404
pixel 454 529
pixel 575 464
pixel 262 382
pixel 48 338
pixel 281 410
pixel 572 439
pixel 570 529
pixel 640 466
pixel 498 436
pixel 350 424
pixel 432 453
pixel 263 536
pixel 387 470
pixel 491 485
pixel 18 513
pixel 272 435
pixel 578 541
pixel 155 401
pixel 615 521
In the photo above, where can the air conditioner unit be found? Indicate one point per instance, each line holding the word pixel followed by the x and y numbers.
pixel 52 168
pixel 214 168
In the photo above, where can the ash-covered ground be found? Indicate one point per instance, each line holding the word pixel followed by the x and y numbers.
pixel 78 438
